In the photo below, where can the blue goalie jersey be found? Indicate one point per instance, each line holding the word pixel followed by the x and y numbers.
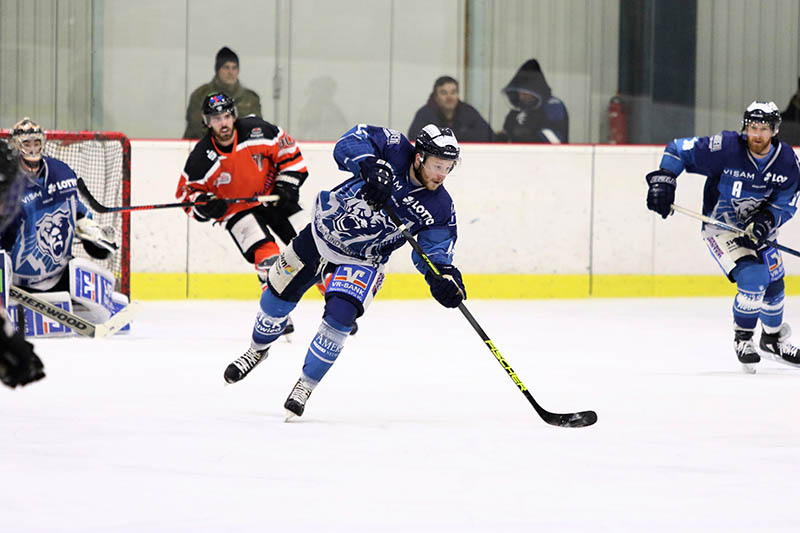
pixel 348 231
pixel 738 184
pixel 40 238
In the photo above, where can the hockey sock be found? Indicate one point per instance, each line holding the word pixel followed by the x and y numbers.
pixel 325 348
pixel 271 319
pixel 772 308
pixel 751 280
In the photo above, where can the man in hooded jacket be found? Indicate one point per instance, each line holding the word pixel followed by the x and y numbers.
pixel 536 115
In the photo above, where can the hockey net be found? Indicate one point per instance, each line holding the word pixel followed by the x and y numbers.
pixel 103 160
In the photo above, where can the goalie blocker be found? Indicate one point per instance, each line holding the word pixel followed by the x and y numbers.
pixel 91 297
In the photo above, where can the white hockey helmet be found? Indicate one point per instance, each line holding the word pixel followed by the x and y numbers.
pixel 27 130
pixel 762 112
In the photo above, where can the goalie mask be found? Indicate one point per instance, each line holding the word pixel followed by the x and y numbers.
pixel 218 103
pixel 28 138
pixel 762 112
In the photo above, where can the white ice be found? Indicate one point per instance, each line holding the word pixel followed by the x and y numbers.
pixel 416 428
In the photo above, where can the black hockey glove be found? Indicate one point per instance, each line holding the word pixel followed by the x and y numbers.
pixel 214 208
pixel 378 175
pixel 18 364
pixel 661 191
pixel 760 226
pixel 288 190
pixel 448 289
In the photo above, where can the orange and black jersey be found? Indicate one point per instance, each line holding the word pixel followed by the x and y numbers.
pixel 248 167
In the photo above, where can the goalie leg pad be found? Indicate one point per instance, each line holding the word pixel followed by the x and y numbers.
pixel 38 325
pixel 92 288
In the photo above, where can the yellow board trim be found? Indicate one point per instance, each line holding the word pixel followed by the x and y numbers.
pixel 174 286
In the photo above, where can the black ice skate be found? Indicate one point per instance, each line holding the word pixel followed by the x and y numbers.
pixel 746 350
pixel 237 370
pixel 776 346
pixel 296 402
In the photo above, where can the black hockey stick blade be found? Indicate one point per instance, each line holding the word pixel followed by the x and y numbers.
pixel 565 420
pixel 100 208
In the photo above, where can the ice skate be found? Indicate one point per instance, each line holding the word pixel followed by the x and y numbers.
pixel 746 350
pixel 242 366
pixel 296 402
pixel 777 347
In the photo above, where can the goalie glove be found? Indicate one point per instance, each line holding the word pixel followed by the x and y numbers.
pixel 98 242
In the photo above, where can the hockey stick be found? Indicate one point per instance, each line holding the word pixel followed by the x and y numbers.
pixel 79 325
pixel 722 225
pixel 100 208
pixel 567 420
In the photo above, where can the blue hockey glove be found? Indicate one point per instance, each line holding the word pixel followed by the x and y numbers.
pixel 661 191
pixel 448 289
pixel 288 190
pixel 760 226
pixel 214 208
pixel 378 175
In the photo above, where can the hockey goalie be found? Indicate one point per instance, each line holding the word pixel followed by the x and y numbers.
pixel 40 217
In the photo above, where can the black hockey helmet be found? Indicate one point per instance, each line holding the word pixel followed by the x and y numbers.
pixel 439 142
pixel 216 103
pixel 763 112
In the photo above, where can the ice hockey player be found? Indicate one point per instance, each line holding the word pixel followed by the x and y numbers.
pixel 39 238
pixel 752 182
pixel 352 236
pixel 242 157
pixel 19 365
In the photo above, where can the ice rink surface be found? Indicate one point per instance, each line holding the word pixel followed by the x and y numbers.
pixel 416 427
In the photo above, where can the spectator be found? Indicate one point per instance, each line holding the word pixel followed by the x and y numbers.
pixel 446 111
pixel 790 119
pixel 226 80
pixel 536 115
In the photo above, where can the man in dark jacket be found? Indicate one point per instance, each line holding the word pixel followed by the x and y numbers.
pixel 446 111
pixel 536 115
pixel 226 80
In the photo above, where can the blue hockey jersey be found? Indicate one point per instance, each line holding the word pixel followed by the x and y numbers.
pixel 348 231
pixel 40 237
pixel 738 184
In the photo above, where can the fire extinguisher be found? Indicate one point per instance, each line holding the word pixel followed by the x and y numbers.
pixel 617 121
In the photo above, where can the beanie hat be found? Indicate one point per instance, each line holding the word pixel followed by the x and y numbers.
pixel 224 55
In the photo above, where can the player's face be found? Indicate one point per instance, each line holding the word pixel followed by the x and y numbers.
pixel 31 152
pixel 222 127
pixel 434 171
pixel 759 136
pixel 446 96
pixel 229 73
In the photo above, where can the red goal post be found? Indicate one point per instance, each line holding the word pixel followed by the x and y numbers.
pixel 103 160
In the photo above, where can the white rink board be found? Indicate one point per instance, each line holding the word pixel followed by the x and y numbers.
pixel 532 209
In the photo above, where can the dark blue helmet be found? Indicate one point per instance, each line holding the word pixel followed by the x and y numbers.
pixel 439 142
pixel 216 103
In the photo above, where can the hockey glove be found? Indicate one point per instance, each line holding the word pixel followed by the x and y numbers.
pixel 661 191
pixel 97 242
pixel 378 175
pixel 288 190
pixel 761 226
pixel 447 288
pixel 212 207
pixel 18 364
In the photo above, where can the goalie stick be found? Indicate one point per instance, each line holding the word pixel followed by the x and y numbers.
pixel 77 324
pixel 567 420
pixel 100 208
pixel 722 225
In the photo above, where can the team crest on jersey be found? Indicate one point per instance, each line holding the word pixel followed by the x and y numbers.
pixel 746 207
pixel 256 133
pixel 223 179
pixel 259 159
pixel 53 232
pixel 211 155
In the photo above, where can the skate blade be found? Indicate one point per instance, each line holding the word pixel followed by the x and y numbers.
pixel 289 415
pixel 779 359
pixel 749 368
